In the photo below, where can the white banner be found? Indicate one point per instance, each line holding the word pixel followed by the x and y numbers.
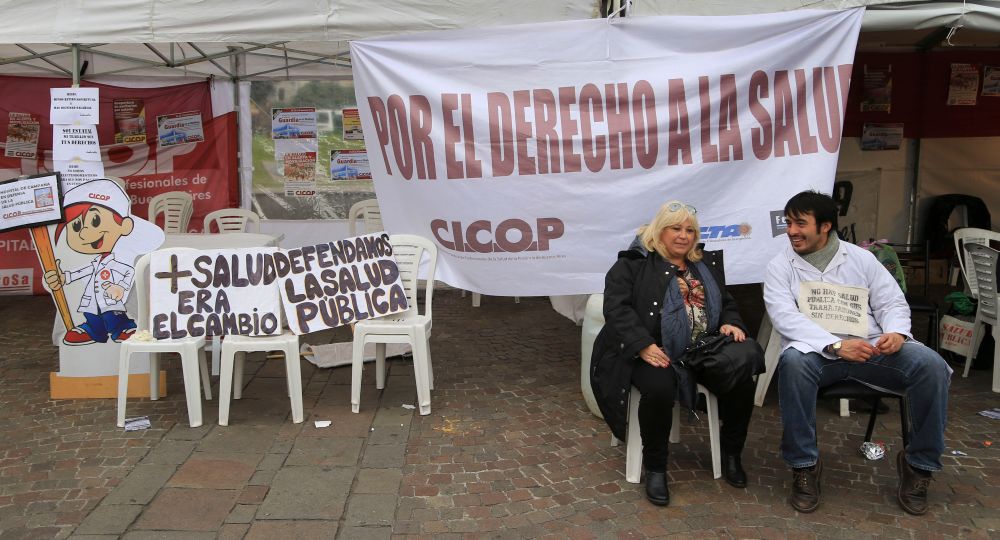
pixel 531 154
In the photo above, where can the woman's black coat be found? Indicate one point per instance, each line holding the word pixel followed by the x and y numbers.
pixel 633 298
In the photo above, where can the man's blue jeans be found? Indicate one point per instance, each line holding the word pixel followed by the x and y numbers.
pixel 915 370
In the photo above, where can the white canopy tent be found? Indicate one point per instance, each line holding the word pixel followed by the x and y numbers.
pixel 107 40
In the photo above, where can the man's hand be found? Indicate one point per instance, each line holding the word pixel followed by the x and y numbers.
pixel 654 356
pixel 890 343
pixel 856 350
pixel 733 332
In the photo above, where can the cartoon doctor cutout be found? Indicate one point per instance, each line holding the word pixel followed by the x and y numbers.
pixel 97 220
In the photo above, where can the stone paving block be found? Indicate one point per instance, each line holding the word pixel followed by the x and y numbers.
pixel 242 513
pixel 366 533
pixel 388 434
pixel 239 438
pixel 109 519
pixel 326 452
pixel 394 416
pixel 184 432
pixel 93 537
pixel 378 481
pixel 253 495
pixel 365 509
pixel 344 423
pixel 169 452
pixel 271 462
pixel 307 493
pixel 141 485
pixel 233 531
pixel 216 470
pixel 383 456
pixel 202 509
pixel 168 535
pixel 262 478
pixel 300 530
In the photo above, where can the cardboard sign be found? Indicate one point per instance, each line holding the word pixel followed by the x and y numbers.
pixel 30 202
pixel 336 283
pixel 956 335
pixel 214 293
pixel 838 309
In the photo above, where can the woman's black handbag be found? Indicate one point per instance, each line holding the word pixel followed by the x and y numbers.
pixel 720 363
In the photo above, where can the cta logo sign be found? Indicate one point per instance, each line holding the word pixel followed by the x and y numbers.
pixel 723 232
pixel 510 235
pixel 779 225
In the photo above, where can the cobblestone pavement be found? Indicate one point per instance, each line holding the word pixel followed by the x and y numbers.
pixel 509 451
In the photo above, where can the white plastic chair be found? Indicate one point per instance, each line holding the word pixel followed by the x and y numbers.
pixel 633 447
pixel 407 327
pixel 176 207
pixel 984 266
pixel 190 349
pixel 368 211
pixel 233 345
pixel 971 235
pixel 230 220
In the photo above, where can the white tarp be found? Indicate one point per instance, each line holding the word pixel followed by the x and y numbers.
pixel 532 154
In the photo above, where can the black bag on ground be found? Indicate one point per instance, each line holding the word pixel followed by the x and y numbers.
pixel 720 363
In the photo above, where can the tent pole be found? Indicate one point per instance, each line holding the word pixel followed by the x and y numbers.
pixel 75 52
pixel 913 185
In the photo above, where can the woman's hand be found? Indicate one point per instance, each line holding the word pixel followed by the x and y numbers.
pixel 733 332
pixel 654 356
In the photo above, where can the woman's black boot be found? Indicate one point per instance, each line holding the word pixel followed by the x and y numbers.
pixel 656 488
pixel 732 470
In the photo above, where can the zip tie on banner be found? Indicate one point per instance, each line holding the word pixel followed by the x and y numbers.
pixel 958 24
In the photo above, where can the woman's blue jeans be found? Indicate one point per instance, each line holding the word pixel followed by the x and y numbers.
pixel 915 370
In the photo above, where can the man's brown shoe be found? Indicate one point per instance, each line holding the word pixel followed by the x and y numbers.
pixel 805 488
pixel 912 493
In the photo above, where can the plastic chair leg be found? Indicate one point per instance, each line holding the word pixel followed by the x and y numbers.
pixel 357 362
pixel 477 299
pixel 430 366
pixel 772 353
pixel 236 381
pixel 714 439
pixel 154 376
pixel 675 426
pixel 293 371
pixel 206 381
pixel 380 365
pixel 420 371
pixel 227 359
pixel 976 338
pixel 192 387
pixel 633 446
pixel 996 359
pixel 123 361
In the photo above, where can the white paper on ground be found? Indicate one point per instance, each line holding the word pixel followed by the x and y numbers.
pixel 339 354
pixel 137 424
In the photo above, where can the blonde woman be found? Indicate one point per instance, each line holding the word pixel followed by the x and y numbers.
pixel 660 297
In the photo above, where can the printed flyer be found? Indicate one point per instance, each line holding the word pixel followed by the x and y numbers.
pixel 352 125
pixel 876 93
pixel 179 128
pixel 130 120
pixel 964 86
pixel 349 164
pixel 22 136
pixel 293 123
pixel 300 174
pixel 881 136
pixel 991 81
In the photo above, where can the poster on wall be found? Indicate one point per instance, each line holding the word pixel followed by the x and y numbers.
pixel 77 171
pixel 963 86
pixel 991 81
pixel 179 128
pixel 130 120
pixel 75 142
pixel 876 91
pixel 22 135
pixel 352 125
pixel 293 123
pixel 299 172
pixel 74 106
pixel 881 136
pixel 857 194
pixel 349 164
